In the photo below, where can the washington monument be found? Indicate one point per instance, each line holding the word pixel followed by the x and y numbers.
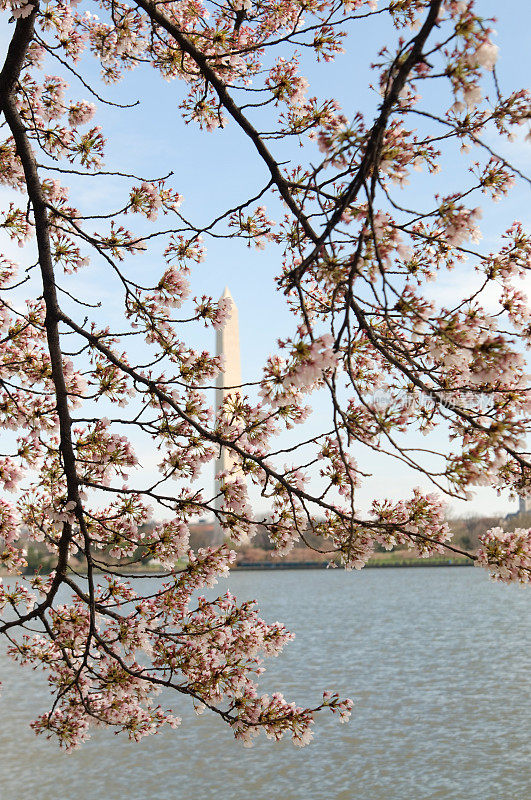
pixel 227 346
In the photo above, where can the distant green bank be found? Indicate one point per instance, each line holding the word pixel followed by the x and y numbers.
pixel 40 563
pixel 379 563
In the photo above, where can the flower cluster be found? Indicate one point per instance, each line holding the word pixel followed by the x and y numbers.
pixel 506 554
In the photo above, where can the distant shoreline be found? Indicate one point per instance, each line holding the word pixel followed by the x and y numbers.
pixel 269 566
pixel 272 566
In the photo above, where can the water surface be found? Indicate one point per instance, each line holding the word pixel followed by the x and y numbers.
pixel 435 660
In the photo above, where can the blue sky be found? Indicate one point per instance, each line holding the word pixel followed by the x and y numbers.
pixel 216 170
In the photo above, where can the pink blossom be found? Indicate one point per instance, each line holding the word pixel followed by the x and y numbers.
pixel 506 554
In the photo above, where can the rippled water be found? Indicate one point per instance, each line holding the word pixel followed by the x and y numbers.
pixel 435 659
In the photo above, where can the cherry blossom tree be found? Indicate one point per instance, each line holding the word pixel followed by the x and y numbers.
pixel 355 269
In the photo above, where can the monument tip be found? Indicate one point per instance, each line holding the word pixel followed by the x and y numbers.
pixel 226 293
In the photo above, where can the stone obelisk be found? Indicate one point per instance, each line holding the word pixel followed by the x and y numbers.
pixel 227 346
pixel 524 503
